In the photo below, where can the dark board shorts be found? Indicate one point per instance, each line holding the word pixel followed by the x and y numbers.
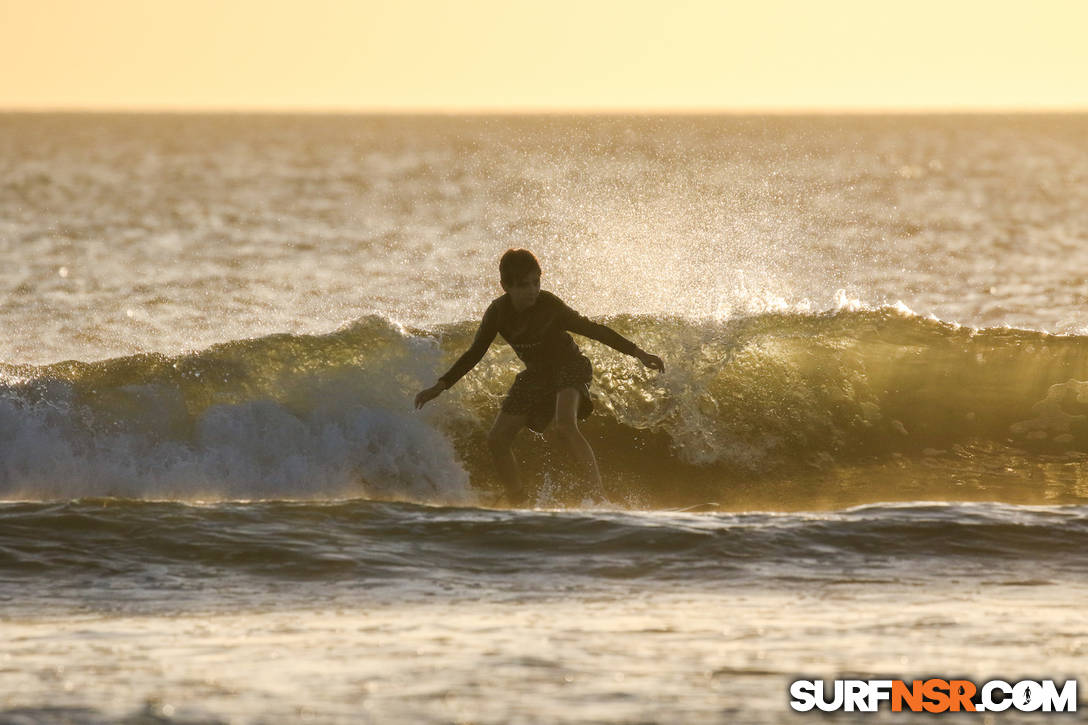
pixel 533 392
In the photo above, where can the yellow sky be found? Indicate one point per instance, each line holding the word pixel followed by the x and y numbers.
pixel 544 54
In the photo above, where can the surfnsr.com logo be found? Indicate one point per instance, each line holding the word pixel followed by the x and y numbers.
pixel 933 695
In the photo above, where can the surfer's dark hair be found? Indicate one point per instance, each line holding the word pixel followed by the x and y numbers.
pixel 515 264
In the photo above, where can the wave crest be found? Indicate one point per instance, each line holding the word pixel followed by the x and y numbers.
pixel 771 396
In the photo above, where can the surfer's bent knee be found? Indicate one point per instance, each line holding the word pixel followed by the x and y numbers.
pixel 567 429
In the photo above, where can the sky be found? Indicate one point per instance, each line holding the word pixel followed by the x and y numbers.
pixel 544 55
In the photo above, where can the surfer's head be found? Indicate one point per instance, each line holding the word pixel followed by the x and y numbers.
pixel 519 273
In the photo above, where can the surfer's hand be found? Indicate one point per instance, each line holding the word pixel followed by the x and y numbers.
pixel 429 394
pixel 652 361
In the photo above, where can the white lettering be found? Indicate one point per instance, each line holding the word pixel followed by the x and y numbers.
pixel 879 690
pixel 994 696
pixel 804 695
pixel 857 696
pixel 821 696
pixel 989 704
pixel 1027 696
pixel 1065 701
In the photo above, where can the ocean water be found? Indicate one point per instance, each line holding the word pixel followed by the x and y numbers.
pixel 868 456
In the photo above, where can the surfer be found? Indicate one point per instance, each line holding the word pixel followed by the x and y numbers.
pixel 554 386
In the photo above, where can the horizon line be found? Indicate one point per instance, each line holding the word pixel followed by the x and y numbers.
pixel 552 111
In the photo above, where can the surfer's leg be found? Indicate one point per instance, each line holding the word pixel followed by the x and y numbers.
pixel 566 428
pixel 499 440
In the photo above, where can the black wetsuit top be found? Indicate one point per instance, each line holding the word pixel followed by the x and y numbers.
pixel 538 334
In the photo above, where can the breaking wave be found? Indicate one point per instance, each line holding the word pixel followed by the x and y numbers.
pixel 783 396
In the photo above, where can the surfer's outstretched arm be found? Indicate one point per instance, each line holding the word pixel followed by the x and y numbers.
pixel 582 325
pixel 484 336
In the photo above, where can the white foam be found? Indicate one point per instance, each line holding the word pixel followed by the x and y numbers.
pixel 258 449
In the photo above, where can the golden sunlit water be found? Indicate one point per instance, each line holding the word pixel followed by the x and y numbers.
pixel 867 457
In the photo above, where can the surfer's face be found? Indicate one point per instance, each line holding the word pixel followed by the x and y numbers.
pixel 523 293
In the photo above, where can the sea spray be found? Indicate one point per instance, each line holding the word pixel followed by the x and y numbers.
pixel 744 399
